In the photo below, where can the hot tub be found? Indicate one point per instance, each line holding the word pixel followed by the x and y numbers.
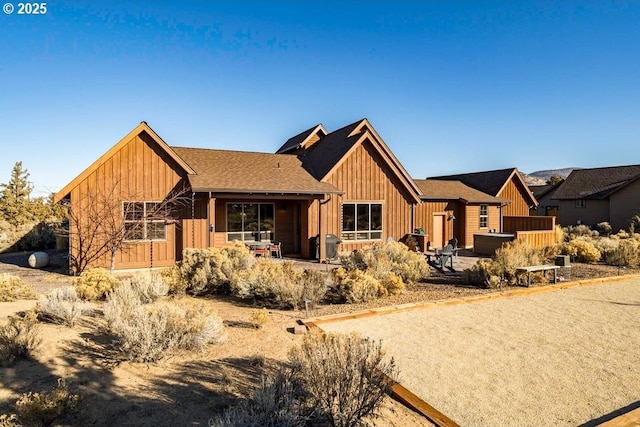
pixel 487 243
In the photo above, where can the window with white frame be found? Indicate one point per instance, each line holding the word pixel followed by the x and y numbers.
pixel 144 221
pixel 250 221
pixel 361 221
pixel 484 216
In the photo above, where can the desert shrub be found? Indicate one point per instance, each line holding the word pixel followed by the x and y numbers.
pixel 150 332
pixel 278 283
pixel 148 285
pixel 174 280
pixel 485 273
pixel 61 305
pixel 274 404
pixel 19 338
pixel 121 303
pixel 355 286
pixel 259 317
pixel 604 228
pixel 581 250
pixel 201 269
pixel 606 246
pixel 42 409
pixel 11 420
pixel 389 256
pixel 95 283
pixel 211 269
pixel 237 257
pixel 502 267
pixel 344 376
pixel 513 255
pixel 634 224
pixel 582 230
pixel 626 253
pixel 13 288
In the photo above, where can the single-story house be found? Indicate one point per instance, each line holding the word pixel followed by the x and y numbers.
pixel 608 194
pixel 506 184
pixel 347 183
pixel 451 209
pixel 547 206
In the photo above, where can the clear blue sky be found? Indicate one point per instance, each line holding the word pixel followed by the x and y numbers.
pixel 451 87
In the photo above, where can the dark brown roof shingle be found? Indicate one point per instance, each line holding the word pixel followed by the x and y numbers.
pixel 434 189
pixel 241 171
pixel 596 183
pixel 490 182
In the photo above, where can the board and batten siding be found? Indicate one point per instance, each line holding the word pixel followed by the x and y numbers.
pixel 363 176
pixel 472 223
pixel 139 171
pixel 424 213
pixel 516 193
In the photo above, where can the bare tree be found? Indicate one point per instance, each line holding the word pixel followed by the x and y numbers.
pixel 102 224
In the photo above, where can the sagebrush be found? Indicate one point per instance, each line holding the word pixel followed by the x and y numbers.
pixel 43 408
pixel 13 288
pixel 95 283
pixel 149 332
pixel 62 305
pixel 345 377
pixel 19 338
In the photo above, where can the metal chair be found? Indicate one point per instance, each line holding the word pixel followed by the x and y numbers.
pixel 275 248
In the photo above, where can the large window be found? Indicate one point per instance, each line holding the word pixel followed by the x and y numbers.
pixel 144 221
pixel 250 221
pixel 361 221
pixel 484 216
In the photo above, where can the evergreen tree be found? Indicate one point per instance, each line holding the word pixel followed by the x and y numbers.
pixel 14 197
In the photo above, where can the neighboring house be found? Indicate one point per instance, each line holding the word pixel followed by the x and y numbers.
pixel 451 209
pixel 505 184
pixel 591 196
pixel 347 183
pixel 547 206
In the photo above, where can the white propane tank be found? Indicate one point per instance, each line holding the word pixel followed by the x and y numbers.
pixel 38 259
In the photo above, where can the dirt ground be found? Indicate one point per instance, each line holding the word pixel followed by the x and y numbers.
pixel 560 358
pixel 189 388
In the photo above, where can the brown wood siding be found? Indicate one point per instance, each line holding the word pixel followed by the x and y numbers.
pixel 194 223
pixel 511 224
pixel 424 213
pixel 139 171
pixel 517 194
pixel 625 203
pixel 365 177
pixel 472 222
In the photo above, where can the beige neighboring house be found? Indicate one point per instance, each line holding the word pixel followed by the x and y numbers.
pixel 608 194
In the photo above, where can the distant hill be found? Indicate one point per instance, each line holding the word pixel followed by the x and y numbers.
pixel 541 177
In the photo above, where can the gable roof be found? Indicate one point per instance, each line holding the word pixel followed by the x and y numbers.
pixel 302 139
pixel 434 189
pixel 540 191
pixel 143 127
pixel 325 156
pixel 225 171
pixel 596 183
pixel 490 182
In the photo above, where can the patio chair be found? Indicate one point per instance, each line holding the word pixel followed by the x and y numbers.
pixel 445 255
pixel 275 249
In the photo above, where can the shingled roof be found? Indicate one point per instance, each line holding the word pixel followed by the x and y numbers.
pixel 540 191
pixel 325 155
pixel 490 182
pixel 596 183
pixel 249 172
pixel 299 141
pixel 434 189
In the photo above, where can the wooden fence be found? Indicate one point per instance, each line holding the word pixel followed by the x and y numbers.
pixel 513 224
pixel 537 238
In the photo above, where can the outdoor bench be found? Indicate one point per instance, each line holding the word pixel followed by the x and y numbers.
pixel 535 268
